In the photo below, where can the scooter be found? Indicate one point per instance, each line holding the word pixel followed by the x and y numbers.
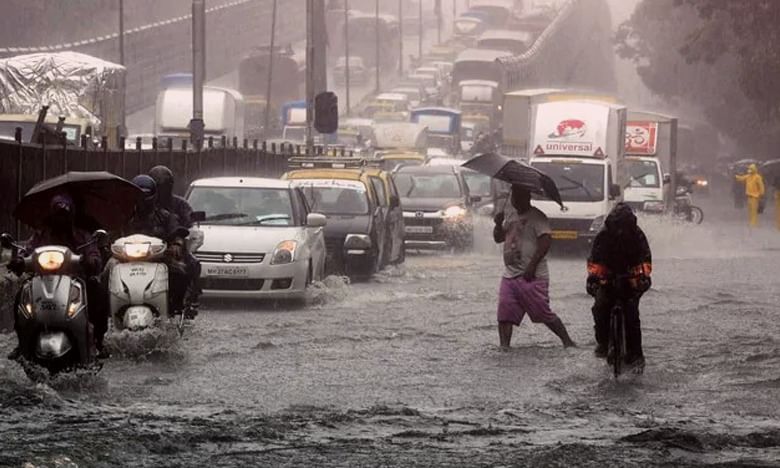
pixel 51 308
pixel 138 283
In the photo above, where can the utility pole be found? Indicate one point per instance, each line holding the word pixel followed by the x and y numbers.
pixel 122 131
pixel 309 77
pixel 197 125
pixel 420 30
pixel 401 33
pixel 438 21
pixel 267 120
pixel 376 40
pixel 346 51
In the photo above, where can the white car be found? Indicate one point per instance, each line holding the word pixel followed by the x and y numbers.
pixel 260 240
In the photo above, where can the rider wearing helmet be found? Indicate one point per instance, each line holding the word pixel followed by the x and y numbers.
pixel 179 207
pixel 620 250
pixel 152 220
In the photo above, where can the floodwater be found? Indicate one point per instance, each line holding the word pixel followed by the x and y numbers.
pixel 405 371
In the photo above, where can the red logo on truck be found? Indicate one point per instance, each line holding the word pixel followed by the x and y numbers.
pixel 571 128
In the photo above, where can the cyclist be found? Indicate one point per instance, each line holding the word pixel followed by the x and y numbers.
pixel 620 250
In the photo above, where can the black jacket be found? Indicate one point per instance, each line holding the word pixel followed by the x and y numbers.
pixel 620 248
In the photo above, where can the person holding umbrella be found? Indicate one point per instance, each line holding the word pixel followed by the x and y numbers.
pixel 526 234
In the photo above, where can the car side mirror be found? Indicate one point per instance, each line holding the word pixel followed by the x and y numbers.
pixel 395 202
pixel 614 191
pixel 316 220
pixel 198 216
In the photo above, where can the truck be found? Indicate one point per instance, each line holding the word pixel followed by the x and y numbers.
pixel 648 156
pixel 86 91
pixel 223 112
pixel 580 144
pixel 444 127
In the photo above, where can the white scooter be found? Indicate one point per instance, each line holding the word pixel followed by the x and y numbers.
pixel 138 283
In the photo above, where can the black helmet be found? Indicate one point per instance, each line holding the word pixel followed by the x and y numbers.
pixel 164 179
pixel 147 185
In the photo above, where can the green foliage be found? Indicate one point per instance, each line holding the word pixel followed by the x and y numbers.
pixel 720 56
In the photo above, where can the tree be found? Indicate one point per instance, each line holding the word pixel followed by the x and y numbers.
pixel 718 56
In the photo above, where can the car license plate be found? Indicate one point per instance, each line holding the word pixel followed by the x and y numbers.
pixel 564 235
pixel 232 271
pixel 419 229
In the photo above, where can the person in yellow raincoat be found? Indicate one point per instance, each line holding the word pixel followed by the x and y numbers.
pixel 754 190
pixel 776 184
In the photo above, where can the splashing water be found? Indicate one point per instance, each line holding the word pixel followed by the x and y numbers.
pixel 163 339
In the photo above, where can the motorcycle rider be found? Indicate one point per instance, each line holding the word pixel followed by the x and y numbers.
pixel 59 228
pixel 178 206
pixel 152 220
pixel 620 250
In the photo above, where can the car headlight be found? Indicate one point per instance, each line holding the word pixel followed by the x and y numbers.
pixel 454 212
pixel 702 183
pixel 51 260
pixel 284 252
pixel 597 224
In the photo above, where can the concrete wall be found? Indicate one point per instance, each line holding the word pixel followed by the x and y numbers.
pixel 156 49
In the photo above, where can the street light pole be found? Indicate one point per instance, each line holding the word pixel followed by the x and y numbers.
pixel 376 40
pixel 123 122
pixel 346 51
pixel 401 33
pixel 420 30
pixel 267 120
pixel 197 125
pixel 309 77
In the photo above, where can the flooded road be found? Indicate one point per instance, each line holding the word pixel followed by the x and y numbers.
pixel 405 371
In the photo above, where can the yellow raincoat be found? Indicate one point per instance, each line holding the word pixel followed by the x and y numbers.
pixel 754 189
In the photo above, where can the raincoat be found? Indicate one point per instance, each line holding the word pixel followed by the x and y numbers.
pixel 754 190
pixel 619 249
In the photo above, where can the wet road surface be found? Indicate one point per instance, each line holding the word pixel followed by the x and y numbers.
pixel 405 371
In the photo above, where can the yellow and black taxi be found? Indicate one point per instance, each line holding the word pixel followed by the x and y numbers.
pixel 438 207
pixel 356 232
pixel 390 160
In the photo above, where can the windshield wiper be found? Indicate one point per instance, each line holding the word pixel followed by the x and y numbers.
pixel 577 185
pixel 263 219
pixel 226 216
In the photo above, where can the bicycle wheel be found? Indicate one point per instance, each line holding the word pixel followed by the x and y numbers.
pixel 617 340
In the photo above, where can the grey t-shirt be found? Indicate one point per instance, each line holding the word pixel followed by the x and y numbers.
pixel 522 236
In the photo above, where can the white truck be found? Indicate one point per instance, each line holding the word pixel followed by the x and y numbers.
pixel 581 145
pixel 648 157
pixel 223 113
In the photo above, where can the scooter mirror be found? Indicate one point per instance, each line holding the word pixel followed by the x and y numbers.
pixel 100 236
pixel 198 216
pixel 7 240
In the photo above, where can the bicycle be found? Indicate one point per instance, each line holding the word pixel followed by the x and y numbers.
pixel 616 348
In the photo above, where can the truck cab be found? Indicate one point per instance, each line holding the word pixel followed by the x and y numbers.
pixel 581 146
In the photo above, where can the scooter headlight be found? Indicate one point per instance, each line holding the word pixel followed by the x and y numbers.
pixel 137 251
pixel 51 260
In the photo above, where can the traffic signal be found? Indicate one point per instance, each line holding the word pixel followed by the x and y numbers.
pixel 326 112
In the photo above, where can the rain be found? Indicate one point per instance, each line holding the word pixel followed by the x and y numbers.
pixel 336 291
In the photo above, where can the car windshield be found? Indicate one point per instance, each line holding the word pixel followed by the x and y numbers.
pixel 428 185
pixel 8 130
pixel 243 206
pixel 478 184
pixel 576 182
pixel 336 197
pixel 643 174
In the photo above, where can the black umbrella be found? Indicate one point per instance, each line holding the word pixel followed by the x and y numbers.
pixel 516 173
pixel 106 198
pixel 771 170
